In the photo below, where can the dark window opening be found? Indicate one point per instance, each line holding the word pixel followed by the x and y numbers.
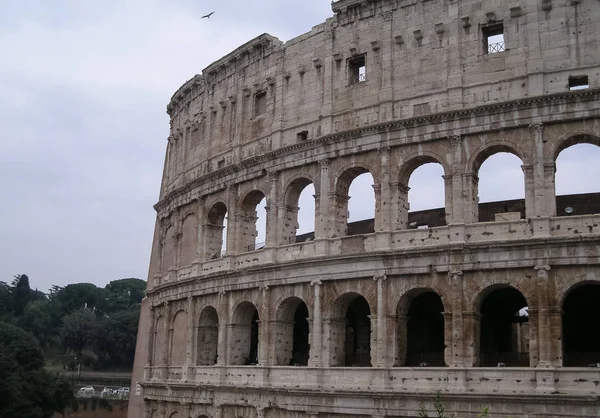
pixel 493 38
pixel 357 68
pixel 357 344
pixel 581 341
pixel 260 103
pixel 300 345
pixel 425 331
pixel 504 334
pixel 253 356
pixel 579 82
pixel 302 136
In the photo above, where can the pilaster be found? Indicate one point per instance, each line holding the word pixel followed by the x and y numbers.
pixel 316 349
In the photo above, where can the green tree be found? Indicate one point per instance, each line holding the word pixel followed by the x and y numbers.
pixel 116 337
pixel 42 319
pixel 77 296
pixel 6 308
pixel 77 331
pixel 26 389
pixel 122 294
pixel 21 293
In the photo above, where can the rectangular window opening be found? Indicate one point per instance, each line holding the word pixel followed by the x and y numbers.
pixel 493 38
pixel 302 136
pixel 357 68
pixel 579 82
pixel 260 103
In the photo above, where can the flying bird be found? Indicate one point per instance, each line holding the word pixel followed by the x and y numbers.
pixel 208 15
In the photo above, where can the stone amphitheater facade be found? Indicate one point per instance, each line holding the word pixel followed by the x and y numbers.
pixel 372 321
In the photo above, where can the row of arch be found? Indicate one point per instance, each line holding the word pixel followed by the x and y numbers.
pixel 422 331
pixel 300 203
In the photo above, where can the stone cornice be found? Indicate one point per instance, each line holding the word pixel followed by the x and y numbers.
pixel 259 160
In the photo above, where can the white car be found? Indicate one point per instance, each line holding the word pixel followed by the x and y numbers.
pixel 87 389
pixel 123 391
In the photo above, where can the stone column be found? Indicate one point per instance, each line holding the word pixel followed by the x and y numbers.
pixel 381 330
pixel 456 283
pixel 223 347
pixel 471 323
pixel 323 224
pixel 271 239
pixel 263 327
pixel 529 191
pixel 316 349
pixel 550 189
pixel 401 340
pixel 455 213
pixel 470 197
pixel 403 206
pixel 151 336
pixel 383 193
pixel 544 343
pixel 168 337
pixel 232 220
pixel 191 335
pixel 201 249
pixel 539 180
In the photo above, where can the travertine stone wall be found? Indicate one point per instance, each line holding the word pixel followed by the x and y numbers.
pixel 218 332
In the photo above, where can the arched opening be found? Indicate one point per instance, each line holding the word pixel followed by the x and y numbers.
pixel 299 212
pixel 581 340
pixel 350 331
pixel 188 244
pixel 426 196
pixel 292 333
pixel 420 329
pixel 500 186
pixel 357 343
pixel 354 217
pixel 244 335
pixel 208 337
pixel 160 333
pixel 175 415
pixel 168 249
pixel 577 170
pixel 252 228
pixel 179 339
pixel 504 329
pixel 216 231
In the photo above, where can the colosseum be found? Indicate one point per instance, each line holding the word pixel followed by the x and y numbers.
pixel 490 305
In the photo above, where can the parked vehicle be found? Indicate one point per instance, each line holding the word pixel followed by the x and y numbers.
pixel 124 391
pixel 87 390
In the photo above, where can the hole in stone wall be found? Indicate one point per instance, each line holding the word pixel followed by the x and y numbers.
pixel 578 82
pixel 501 179
pixel 260 103
pixel 357 69
pixel 208 337
pixel 426 196
pixel 357 342
pixel 577 171
pixel 581 341
pixel 493 38
pixel 504 332
pixel 360 205
pixel 425 331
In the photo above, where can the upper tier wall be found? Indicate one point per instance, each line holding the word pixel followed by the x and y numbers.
pixel 421 57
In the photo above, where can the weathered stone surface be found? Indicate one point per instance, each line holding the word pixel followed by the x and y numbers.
pixel 383 87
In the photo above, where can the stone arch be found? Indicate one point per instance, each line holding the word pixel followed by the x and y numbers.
pixel 207 337
pixel 291 331
pixel 160 334
pixel 244 333
pixel 430 217
pixel 490 148
pixel 174 414
pixel 214 230
pixel 343 181
pixel 350 331
pixel 247 220
pixel 179 338
pixel 420 331
pixel 414 161
pixel 567 203
pixel 168 248
pixel 291 197
pixel 574 138
pixel 580 339
pixel 488 286
pixel 503 332
pixel 188 243
pixel 486 212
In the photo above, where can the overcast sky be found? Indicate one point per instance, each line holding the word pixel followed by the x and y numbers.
pixel 83 89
